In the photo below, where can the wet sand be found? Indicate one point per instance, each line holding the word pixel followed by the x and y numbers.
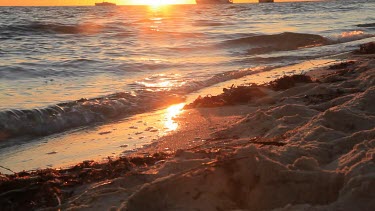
pixel 123 137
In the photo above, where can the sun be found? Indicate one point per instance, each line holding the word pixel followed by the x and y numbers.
pixel 158 2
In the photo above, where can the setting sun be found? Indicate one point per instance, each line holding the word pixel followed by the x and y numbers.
pixel 160 2
pixel 144 105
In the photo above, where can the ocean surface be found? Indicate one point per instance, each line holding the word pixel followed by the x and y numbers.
pixel 63 68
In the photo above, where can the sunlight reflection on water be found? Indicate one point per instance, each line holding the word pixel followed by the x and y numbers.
pixel 172 112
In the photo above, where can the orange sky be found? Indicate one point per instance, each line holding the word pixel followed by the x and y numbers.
pixel 91 2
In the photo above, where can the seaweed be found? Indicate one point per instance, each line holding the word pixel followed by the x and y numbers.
pixel 230 96
pixel 246 93
pixel 49 188
pixel 341 65
pixel 287 82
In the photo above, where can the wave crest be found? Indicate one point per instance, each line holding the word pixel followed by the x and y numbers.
pixel 51 28
pixel 351 36
pixel 78 113
pixel 277 42
pixel 85 112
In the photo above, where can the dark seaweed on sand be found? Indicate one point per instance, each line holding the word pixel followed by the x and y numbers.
pixel 287 82
pixel 341 65
pixel 49 188
pixel 230 96
pixel 247 93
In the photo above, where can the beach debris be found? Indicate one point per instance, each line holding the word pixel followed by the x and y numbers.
pixel 124 145
pixel 247 93
pixel 287 82
pixel 366 48
pixel 133 127
pixel 6 169
pixel 50 188
pixel 230 96
pixel 104 132
pixel 51 153
pixel 341 65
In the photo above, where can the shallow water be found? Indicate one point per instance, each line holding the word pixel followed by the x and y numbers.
pixel 63 68
pixel 117 138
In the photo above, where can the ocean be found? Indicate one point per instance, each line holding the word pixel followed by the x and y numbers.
pixel 64 69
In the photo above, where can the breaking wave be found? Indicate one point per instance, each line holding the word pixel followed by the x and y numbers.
pixel 85 112
pixel 350 36
pixel 277 42
pixel 261 44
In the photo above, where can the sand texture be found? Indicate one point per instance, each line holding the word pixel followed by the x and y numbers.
pixel 306 147
pixel 310 147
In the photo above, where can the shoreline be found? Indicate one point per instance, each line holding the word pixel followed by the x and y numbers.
pixel 123 137
pixel 310 146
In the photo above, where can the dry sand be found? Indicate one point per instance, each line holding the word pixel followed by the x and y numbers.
pixel 311 147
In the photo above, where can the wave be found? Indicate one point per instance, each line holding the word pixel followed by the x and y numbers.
pixel 85 112
pixel 50 28
pixel 260 44
pixel 26 70
pixel 350 36
pixel 287 41
pixel 222 77
pixel 210 23
pixel 367 25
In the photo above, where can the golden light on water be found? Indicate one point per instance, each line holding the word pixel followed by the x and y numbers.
pixel 172 112
pixel 159 2
pixel 159 84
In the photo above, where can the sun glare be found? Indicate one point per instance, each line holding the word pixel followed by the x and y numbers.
pixel 171 113
pixel 158 2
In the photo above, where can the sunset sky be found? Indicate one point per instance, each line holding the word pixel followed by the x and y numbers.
pixel 92 2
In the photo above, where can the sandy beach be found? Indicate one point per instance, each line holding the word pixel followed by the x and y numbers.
pixel 300 146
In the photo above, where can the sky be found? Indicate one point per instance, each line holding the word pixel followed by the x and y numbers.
pixel 92 2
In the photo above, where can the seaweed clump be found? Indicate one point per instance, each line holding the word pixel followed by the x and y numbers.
pixel 49 188
pixel 246 93
pixel 341 65
pixel 287 82
pixel 230 96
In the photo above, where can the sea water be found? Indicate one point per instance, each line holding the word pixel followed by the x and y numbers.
pixel 64 68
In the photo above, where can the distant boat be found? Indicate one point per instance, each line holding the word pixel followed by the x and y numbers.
pixel 214 1
pixel 105 4
pixel 265 1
